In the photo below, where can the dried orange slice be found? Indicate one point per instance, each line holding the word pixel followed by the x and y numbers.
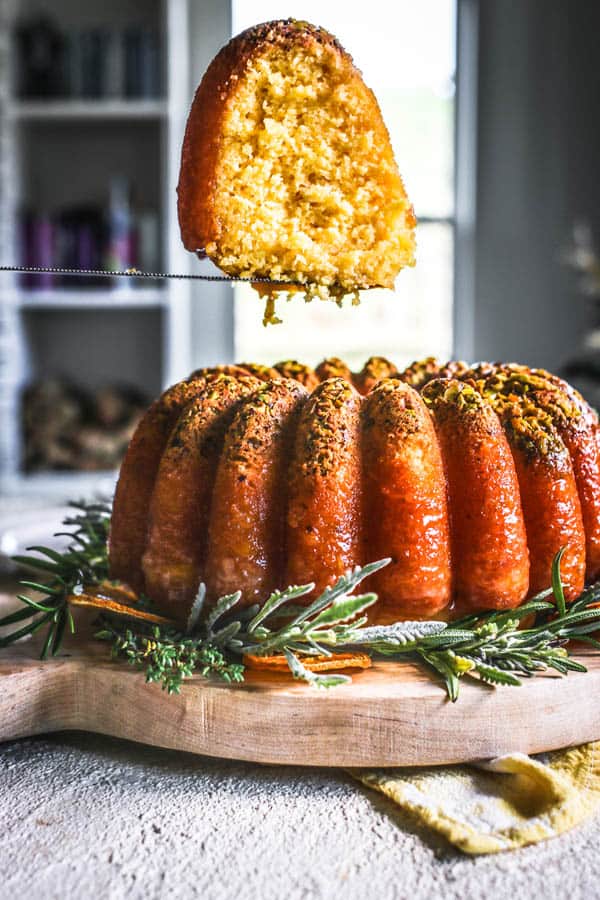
pixel 278 662
pixel 116 590
pixel 105 604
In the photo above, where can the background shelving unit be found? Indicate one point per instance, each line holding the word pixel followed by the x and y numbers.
pixel 82 110
pixel 94 298
pixel 62 151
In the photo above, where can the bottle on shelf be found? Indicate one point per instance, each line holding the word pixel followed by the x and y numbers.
pixel 38 244
pixel 80 242
pixel 120 245
pixel 40 48
pixel 147 231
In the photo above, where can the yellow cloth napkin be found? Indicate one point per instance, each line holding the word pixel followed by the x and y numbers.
pixel 504 804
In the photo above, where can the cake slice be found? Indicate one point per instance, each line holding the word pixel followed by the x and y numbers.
pixel 287 170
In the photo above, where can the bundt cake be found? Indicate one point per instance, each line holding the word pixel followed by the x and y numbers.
pixel 287 171
pixel 470 478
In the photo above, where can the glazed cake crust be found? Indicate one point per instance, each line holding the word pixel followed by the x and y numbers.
pixel 470 484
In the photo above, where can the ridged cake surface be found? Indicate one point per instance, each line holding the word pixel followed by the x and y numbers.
pixel 469 478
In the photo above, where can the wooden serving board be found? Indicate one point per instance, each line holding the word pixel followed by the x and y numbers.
pixel 391 715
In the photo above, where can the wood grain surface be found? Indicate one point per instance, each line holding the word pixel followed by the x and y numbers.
pixel 392 714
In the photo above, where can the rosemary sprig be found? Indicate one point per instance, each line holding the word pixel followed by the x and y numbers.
pixel 491 647
pixel 300 672
pixel 84 562
pixel 329 621
pixel 215 644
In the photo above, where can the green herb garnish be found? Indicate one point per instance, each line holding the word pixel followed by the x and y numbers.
pixel 491 646
pixel 84 562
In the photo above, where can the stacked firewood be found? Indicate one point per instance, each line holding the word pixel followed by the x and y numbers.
pixel 67 427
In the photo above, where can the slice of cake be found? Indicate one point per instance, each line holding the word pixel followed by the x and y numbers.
pixel 287 171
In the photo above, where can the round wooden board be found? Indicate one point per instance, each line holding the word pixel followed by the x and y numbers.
pixel 391 715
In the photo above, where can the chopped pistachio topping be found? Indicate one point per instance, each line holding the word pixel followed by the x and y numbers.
pixel 454 393
pixel 511 393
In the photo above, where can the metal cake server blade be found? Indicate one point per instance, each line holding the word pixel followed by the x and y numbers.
pixel 137 273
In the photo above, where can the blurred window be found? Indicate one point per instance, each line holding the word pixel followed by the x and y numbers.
pixel 406 52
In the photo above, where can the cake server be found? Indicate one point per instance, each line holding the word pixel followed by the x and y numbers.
pixel 135 273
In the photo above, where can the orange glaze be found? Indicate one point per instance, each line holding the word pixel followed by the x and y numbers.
pixel 420 372
pixel 406 513
pixel 324 507
pixel 554 438
pixel 579 431
pixel 245 540
pixel 265 373
pixel 179 509
pixel 549 423
pixel 553 519
pixel 374 370
pixel 490 563
pixel 290 368
pixel 233 370
pixel 580 438
pixel 333 367
pixel 129 521
pixel 589 413
pixel 454 368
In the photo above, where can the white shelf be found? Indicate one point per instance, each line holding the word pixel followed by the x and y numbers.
pixel 131 136
pixel 92 298
pixel 75 110
pixel 62 486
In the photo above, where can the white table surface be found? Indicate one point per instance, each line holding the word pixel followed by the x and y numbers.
pixel 83 816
